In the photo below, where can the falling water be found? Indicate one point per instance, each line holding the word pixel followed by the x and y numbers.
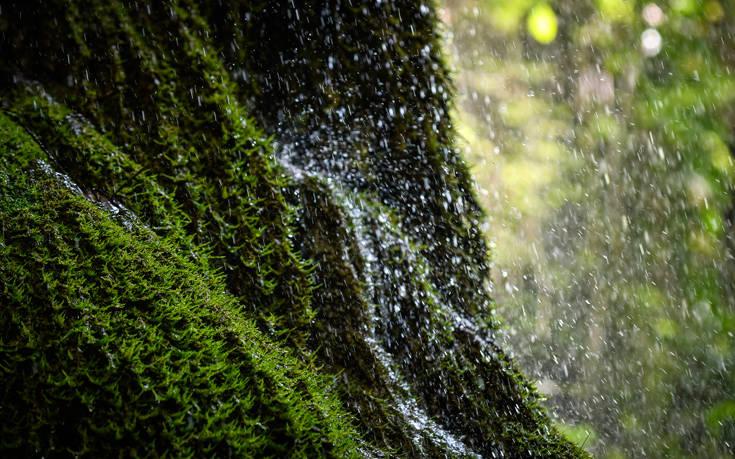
pixel 378 310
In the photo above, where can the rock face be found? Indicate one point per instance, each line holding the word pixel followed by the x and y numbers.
pixel 241 228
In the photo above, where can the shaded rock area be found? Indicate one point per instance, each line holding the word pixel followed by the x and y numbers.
pixel 241 228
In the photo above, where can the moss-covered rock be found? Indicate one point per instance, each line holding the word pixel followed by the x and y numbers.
pixel 177 281
pixel 113 339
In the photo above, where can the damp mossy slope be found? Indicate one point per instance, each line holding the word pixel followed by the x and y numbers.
pixel 241 228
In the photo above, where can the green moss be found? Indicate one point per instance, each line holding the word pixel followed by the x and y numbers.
pixel 112 341
pixel 164 301
pixel 187 145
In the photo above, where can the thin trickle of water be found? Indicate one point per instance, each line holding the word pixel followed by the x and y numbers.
pixel 372 275
pixel 119 212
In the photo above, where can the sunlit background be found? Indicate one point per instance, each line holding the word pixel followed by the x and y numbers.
pixel 601 135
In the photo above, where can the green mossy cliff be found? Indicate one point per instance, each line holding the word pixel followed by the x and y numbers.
pixel 240 228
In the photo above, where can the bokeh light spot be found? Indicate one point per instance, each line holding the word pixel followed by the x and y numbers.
pixel 542 23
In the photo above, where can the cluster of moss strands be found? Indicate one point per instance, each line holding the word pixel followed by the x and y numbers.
pixel 104 169
pixel 203 149
pixel 132 346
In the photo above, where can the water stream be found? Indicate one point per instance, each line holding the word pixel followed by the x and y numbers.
pixel 361 216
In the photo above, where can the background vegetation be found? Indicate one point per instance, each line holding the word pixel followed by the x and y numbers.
pixel 601 136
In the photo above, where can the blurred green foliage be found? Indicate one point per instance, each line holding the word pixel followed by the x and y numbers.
pixel 602 136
